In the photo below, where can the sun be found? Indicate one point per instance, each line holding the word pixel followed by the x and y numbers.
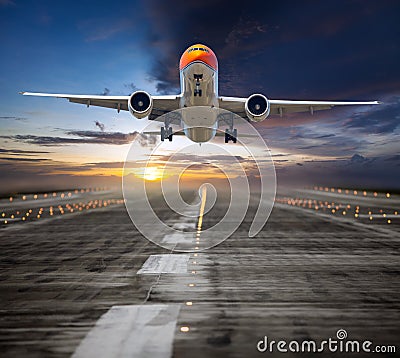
pixel 152 173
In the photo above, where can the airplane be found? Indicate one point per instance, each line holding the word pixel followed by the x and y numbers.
pixel 198 68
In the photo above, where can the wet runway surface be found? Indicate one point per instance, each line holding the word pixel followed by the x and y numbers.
pixel 70 283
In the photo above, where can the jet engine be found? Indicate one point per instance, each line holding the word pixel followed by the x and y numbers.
pixel 257 107
pixel 140 104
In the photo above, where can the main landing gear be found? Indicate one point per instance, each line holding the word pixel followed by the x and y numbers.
pixel 230 135
pixel 166 133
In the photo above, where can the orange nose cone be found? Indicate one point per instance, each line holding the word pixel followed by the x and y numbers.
pixel 200 53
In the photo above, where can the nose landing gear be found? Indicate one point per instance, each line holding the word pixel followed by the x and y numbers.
pixel 198 91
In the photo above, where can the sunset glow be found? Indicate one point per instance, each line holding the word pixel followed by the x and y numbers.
pixel 151 174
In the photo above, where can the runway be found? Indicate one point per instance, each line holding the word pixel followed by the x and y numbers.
pixel 85 283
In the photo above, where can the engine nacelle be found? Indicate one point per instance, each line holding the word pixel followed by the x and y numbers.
pixel 140 104
pixel 257 107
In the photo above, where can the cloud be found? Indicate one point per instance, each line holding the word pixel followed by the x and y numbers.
pixel 243 30
pixel 20 151
pixel 382 119
pixel 33 160
pixel 108 165
pixel 13 118
pixel 357 158
pixel 85 137
pixel 282 49
pixel 28 176
pixel 357 171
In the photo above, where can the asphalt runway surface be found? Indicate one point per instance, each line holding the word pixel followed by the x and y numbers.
pixel 86 283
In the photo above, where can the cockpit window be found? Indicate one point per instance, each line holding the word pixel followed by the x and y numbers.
pixel 198 49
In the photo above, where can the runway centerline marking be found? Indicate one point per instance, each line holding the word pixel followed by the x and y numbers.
pixel 165 263
pixel 202 207
pixel 132 331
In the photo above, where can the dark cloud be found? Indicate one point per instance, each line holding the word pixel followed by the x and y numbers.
pixel 33 160
pixel 86 137
pixel 309 147
pixel 20 151
pixel 22 176
pixel 321 50
pixel 312 140
pixel 357 158
pixel 394 158
pixel 325 136
pixel 189 158
pixel 357 171
pixel 382 119
pixel 279 155
pixel 107 165
pixel 13 118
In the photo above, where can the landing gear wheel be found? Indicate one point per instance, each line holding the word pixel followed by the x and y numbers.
pixel 230 135
pixel 166 133
pixel 170 134
pixel 234 136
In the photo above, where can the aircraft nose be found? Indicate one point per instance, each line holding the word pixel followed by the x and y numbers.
pixel 198 53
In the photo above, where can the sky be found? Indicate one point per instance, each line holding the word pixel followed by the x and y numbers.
pixel 316 50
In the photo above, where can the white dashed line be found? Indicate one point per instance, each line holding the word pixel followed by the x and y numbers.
pixel 132 331
pixel 169 263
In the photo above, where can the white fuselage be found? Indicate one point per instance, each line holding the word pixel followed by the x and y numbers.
pixel 199 88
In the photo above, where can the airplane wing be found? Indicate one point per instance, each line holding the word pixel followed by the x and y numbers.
pixel 282 107
pixel 161 104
